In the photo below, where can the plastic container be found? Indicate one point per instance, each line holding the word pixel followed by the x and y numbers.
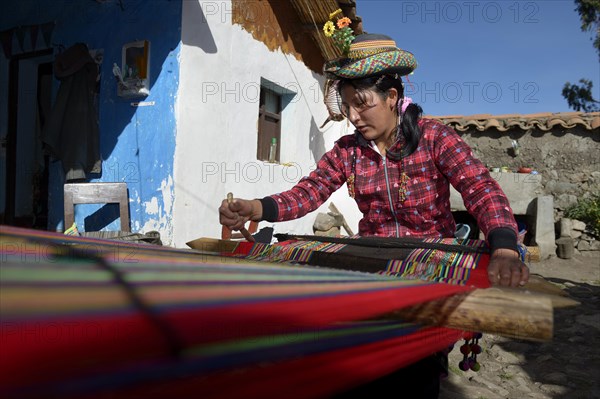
pixel 522 232
pixel 462 231
pixel 273 151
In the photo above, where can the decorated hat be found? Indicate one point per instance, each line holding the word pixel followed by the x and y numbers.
pixel 371 54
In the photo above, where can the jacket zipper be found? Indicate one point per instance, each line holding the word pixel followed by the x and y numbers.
pixel 387 183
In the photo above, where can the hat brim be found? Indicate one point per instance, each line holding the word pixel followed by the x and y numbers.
pixel 395 61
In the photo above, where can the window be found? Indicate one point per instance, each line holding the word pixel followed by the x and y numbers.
pixel 269 124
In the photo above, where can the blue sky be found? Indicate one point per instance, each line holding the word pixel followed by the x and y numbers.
pixel 494 57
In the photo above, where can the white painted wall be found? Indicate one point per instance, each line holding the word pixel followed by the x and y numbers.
pixel 217 108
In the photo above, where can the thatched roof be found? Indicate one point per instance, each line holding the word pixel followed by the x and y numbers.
pixel 314 13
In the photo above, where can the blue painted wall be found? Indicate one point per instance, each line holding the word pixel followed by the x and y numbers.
pixel 137 143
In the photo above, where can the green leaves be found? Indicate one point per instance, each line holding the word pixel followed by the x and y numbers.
pixel 588 211
pixel 343 38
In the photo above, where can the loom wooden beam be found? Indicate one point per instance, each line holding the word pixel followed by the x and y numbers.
pixel 212 245
pixel 501 311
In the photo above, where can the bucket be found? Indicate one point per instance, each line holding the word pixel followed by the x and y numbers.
pixel 565 247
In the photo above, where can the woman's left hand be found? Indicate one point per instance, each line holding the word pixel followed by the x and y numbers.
pixel 506 269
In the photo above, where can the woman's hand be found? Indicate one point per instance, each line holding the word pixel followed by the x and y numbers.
pixel 236 213
pixel 506 269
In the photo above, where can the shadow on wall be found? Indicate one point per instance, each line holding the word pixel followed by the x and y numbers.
pixel 195 16
pixel 316 142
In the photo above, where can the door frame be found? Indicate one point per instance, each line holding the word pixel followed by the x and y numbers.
pixel 12 126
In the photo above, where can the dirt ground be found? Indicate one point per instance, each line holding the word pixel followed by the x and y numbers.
pixel 566 367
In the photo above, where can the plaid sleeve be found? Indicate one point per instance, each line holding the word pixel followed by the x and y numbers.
pixel 482 195
pixel 313 190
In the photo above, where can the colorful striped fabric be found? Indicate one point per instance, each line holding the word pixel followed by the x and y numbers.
pixel 438 265
pixel 91 318
pixel 296 252
pixel 423 263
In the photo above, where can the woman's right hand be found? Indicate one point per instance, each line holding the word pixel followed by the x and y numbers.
pixel 236 213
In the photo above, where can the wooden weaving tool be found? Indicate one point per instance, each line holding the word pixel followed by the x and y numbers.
pixel 243 230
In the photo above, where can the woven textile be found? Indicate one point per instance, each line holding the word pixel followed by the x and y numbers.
pixel 438 265
pixel 423 264
pixel 402 61
pixel 371 54
pixel 299 251
pixel 91 318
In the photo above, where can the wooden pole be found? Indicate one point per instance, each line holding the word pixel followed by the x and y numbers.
pixel 501 311
pixel 243 230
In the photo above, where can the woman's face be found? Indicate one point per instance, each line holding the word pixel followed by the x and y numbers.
pixel 372 115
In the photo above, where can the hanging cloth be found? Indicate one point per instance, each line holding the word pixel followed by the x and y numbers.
pixel 71 133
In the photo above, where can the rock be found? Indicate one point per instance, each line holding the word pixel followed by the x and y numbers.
pixel 565 227
pixel 576 339
pixel 577 374
pixel 594 177
pixel 594 245
pixel 579 177
pixel 564 201
pixel 559 187
pixel 537 395
pixel 576 233
pixel 490 367
pixel 507 357
pixel 556 377
pixel 491 386
pixel 543 358
pixel 592 320
pixel 554 389
pixel 584 245
pixel 333 232
pixel 324 222
pixel 577 225
pixel 522 385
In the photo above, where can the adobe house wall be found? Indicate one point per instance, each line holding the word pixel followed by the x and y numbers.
pixel 567 160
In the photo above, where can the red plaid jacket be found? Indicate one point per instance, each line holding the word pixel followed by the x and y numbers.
pixel 442 158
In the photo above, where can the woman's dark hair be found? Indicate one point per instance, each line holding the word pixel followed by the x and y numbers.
pixel 409 125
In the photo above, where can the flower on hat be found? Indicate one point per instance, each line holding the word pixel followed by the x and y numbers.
pixel 344 35
pixel 343 22
pixel 329 28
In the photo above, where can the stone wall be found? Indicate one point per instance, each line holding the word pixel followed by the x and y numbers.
pixel 567 159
